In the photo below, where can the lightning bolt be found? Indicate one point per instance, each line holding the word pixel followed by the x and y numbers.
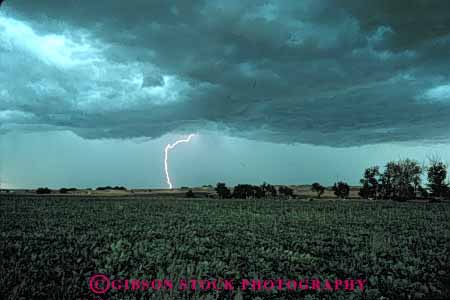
pixel 166 156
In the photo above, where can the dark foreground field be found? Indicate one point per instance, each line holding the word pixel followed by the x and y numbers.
pixel 50 246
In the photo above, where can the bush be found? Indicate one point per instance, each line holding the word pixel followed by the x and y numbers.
pixel 437 174
pixel 370 183
pixel 66 190
pixel 44 190
pixel 318 188
pixel 286 191
pixel 243 191
pixel 341 189
pixel 223 191
pixel 424 194
pixel 268 190
pixel 116 188
pixel 190 194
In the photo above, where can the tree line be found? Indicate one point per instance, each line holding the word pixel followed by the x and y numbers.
pixel 399 180
pixel 402 180
pixel 244 191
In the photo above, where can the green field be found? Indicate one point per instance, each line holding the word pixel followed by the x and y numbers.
pixel 50 245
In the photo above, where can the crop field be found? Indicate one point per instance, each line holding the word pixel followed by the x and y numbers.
pixel 50 246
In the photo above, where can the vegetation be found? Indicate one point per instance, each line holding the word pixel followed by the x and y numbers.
pixel 370 183
pixel 43 190
pixel 190 194
pixel 400 248
pixel 269 190
pixel 50 247
pixel 401 180
pixel 223 191
pixel 115 188
pixel 67 190
pixel 437 174
pixel 341 189
pixel 286 191
pixel 318 188
pixel 245 191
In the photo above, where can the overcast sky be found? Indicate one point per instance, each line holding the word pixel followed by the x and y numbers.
pixel 282 91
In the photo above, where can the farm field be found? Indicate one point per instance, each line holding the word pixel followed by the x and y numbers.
pixel 51 245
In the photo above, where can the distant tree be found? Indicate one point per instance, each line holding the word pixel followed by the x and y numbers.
pixel 269 190
pixel 264 188
pixel 273 191
pixel 66 190
pixel 423 193
pixel 341 189
pixel 44 190
pixel 318 188
pixel 223 191
pixel 400 180
pixel 190 194
pixel 437 174
pixel 184 188
pixel 386 185
pixel 370 183
pixel 258 192
pixel 286 191
pixel 244 191
pixel 103 188
pixel 117 188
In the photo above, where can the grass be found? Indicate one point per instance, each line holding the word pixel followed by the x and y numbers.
pixel 51 245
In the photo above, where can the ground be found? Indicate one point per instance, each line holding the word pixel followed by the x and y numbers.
pixel 51 245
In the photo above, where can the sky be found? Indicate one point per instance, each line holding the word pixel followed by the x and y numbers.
pixel 288 92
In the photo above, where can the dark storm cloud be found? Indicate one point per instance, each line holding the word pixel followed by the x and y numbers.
pixel 322 72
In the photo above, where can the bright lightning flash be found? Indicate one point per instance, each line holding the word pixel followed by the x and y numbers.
pixel 166 156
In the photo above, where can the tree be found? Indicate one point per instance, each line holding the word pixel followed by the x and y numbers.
pixel 106 188
pixel 66 190
pixel 411 172
pixel 258 192
pixel 269 189
pixel 423 193
pixel 341 189
pixel 400 180
pixel 223 191
pixel 244 191
pixel 272 190
pixel 386 187
pixel 318 188
pixel 190 194
pixel 44 190
pixel 437 174
pixel 286 191
pixel 370 183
